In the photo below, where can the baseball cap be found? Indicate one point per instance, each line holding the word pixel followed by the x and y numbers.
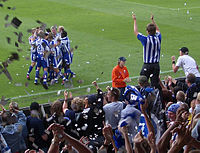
pixel 184 50
pixel 122 59
pixel 173 108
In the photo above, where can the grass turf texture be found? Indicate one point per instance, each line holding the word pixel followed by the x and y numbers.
pixel 103 30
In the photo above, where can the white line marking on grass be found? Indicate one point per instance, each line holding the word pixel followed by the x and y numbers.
pixel 75 88
pixel 149 5
pixel 185 8
pixel 166 8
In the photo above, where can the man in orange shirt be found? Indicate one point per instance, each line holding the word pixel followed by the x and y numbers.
pixel 120 76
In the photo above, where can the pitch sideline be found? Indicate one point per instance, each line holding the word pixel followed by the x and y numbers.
pixel 166 8
pixel 80 87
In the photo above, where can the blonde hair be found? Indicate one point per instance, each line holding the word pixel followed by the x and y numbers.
pixel 14 105
pixel 61 28
pixel 77 104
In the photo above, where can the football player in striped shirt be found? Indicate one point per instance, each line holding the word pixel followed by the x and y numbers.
pixel 67 54
pixel 151 51
pixel 32 40
pixel 42 60
pixel 57 58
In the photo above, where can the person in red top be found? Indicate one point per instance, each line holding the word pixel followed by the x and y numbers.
pixel 120 76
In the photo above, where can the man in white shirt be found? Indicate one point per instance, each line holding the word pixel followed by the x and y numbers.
pixel 187 63
pixel 113 109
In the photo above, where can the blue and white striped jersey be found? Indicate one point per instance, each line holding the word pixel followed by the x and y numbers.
pixel 65 48
pixel 151 47
pixel 65 44
pixel 56 50
pixel 33 44
pixel 30 39
pixel 51 45
pixel 42 45
pixel 56 37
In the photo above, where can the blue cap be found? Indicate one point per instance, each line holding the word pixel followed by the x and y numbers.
pixel 173 108
pixel 122 59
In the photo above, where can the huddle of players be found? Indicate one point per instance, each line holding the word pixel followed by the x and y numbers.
pixel 51 51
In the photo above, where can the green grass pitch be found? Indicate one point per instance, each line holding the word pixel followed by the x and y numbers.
pixel 103 31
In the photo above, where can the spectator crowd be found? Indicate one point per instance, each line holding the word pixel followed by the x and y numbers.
pixel 102 123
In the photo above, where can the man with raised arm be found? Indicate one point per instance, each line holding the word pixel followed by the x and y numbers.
pixel 151 51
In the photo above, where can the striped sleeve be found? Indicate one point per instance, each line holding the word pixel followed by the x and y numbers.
pixel 142 38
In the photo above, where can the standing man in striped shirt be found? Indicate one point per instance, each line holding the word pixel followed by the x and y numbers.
pixel 151 51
